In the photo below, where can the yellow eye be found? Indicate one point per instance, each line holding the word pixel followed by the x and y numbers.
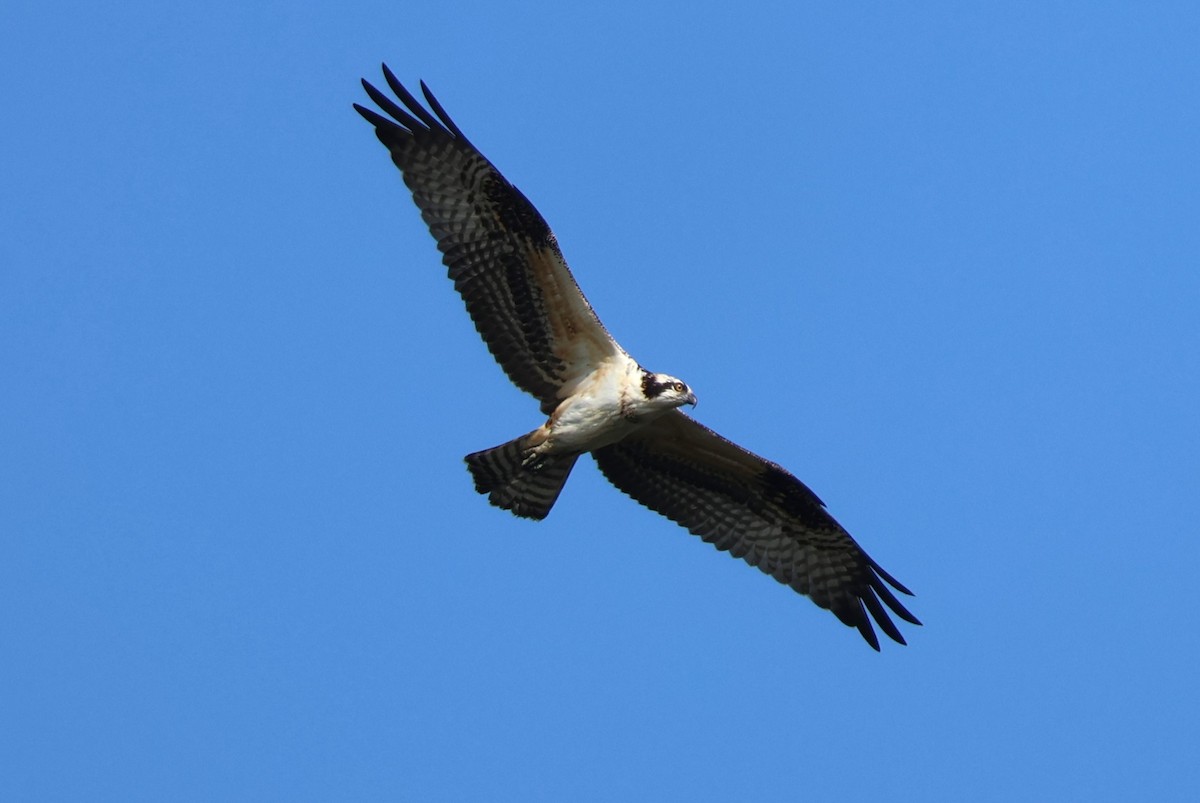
pixel 679 387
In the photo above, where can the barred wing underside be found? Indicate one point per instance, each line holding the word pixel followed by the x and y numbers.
pixel 501 254
pixel 754 510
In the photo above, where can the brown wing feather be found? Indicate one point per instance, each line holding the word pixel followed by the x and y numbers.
pixel 756 511
pixel 501 254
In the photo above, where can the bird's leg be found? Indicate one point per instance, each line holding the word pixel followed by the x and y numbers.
pixel 533 461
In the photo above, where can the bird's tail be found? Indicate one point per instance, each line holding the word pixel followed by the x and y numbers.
pixel 515 479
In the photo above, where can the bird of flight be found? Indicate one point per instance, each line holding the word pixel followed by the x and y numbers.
pixel 507 266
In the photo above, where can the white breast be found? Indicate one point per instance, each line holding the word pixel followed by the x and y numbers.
pixel 594 415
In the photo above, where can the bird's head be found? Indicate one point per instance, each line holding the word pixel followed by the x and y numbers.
pixel 665 392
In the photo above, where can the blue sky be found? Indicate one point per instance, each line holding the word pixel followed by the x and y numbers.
pixel 942 261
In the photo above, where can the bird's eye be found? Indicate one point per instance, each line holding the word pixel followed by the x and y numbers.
pixel 679 387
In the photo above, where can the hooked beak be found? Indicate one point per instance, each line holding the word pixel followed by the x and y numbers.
pixel 691 399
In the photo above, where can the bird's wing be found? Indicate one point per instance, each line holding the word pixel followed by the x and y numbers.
pixel 501 255
pixel 754 510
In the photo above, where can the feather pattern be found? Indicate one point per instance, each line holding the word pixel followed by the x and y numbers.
pixel 504 260
pixel 754 510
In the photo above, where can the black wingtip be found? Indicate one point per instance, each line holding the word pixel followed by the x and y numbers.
pixel 441 113
pixel 365 112
pixel 388 74
pixel 884 593
pixel 409 100
pixel 868 632
pixel 892 581
pixel 414 116
pixel 882 619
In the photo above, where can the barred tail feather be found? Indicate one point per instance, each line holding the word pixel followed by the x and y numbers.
pixel 513 482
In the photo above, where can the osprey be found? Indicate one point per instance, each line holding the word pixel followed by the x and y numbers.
pixel 507 266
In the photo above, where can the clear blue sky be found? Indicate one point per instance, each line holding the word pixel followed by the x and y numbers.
pixel 942 262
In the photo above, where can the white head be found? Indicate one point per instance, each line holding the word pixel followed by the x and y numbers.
pixel 663 392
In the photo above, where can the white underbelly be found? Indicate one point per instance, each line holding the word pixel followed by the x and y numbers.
pixel 581 426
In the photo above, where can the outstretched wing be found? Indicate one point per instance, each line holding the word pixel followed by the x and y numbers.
pixel 502 256
pixel 754 510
